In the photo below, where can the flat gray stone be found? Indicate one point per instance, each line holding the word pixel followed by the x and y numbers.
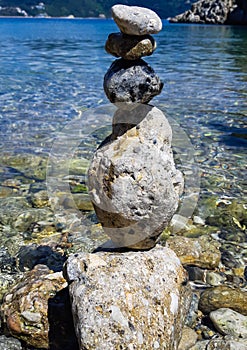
pixel 229 322
pixel 131 82
pixel 130 47
pixel 134 20
pixel 131 300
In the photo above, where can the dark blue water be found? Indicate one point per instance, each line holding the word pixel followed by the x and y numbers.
pixel 52 69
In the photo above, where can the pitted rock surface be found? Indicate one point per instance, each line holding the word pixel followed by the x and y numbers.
pixel 132 300
pixel 133 182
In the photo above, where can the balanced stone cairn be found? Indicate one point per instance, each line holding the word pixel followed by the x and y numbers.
pixel 133 182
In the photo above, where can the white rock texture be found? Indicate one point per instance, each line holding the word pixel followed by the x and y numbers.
pixel 131 300
pixel 134 20
pixel 133 182
pixel 207 11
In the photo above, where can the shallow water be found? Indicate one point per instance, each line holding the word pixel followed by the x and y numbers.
pixel 52 70
pixel 54 114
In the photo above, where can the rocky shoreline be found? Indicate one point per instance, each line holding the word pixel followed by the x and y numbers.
pixel 211 247
pixel 231 12
pixel 36 307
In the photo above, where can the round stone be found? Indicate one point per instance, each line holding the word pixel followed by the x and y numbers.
pixel 229 322
pixel 223 297
pixel 134 20
pixel 130 47
pixel 131 82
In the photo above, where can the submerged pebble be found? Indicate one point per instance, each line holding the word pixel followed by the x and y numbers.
pixel 223 297
pixel 202 252
pixel 229 322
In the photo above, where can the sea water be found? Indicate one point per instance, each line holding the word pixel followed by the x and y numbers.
pixel 51 71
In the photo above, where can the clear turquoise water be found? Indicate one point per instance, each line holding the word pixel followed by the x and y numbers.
pixel 51 69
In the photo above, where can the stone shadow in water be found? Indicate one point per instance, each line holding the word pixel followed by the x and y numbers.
pixel 31 255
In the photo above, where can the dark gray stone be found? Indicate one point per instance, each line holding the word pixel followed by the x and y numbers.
pixel 31 255
pixel 131 82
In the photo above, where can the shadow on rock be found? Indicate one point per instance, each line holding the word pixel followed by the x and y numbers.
pixel 62 333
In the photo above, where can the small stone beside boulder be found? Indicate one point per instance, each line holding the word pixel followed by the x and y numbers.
pixel 132 300
pixel 203 251
pixel 25 307
pixel 188 339
pixel 229 322
pixel 223 297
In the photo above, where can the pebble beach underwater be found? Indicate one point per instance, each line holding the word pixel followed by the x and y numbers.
pixel 51 77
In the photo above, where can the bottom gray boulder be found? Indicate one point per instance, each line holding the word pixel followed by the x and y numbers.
pixel 132 300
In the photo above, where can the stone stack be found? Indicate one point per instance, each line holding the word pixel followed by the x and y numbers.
pixel 130 79
pixel 131 299
pixel 133 182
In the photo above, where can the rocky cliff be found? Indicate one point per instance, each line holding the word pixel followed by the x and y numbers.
pixel 215 12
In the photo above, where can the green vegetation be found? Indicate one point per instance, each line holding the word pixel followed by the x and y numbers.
pixel 91 8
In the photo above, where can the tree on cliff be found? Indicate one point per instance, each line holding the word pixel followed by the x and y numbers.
pixel 92 8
